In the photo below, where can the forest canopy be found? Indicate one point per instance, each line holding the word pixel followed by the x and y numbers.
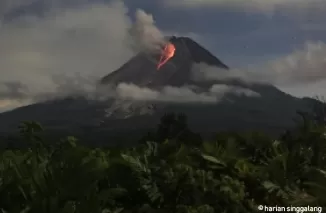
pixel 170 170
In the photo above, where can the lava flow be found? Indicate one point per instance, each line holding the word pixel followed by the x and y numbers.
pixel 167 53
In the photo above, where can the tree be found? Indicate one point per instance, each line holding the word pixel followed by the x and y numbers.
pixel 173 127
pixel 234 173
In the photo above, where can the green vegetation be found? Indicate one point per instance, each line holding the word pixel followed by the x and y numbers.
pixel 182 174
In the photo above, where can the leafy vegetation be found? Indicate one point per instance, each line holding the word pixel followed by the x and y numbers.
pixel 182 174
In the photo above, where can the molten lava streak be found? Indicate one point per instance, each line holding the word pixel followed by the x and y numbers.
pixel 167 53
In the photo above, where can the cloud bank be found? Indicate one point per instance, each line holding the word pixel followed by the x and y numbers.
pixel 300 68
pixel 73 41
pixel 66 51
pixel 181 95
pixel 270 6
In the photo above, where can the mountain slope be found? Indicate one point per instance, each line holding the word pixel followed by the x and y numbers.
pixel 141 70
pixel 271 112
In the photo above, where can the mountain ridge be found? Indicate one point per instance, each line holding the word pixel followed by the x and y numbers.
pixel 273 111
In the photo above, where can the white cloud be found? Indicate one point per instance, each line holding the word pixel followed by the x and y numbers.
pixel 180 95
pixel 254 5
pixel 221 89
pixel 146 35
pixel 306 90
pixel 68 49
pixel 294 72
pixel 204 72
pixel 167 94
pixel 302 66
pixel 73 41
pixel 83 44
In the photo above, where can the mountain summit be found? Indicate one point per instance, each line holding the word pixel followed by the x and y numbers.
pixel 141 69
pixel 272 112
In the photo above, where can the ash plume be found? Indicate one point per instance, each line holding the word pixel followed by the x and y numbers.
pixel 63 52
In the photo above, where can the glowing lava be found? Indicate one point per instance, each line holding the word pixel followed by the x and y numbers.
pixel 167 53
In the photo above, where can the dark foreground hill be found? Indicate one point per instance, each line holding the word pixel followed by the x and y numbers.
pixel 272 112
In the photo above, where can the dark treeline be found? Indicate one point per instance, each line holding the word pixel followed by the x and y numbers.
pixel 170 170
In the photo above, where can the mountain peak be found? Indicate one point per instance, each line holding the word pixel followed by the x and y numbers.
pixel 141 69
pixel 271 112
pixel 198 53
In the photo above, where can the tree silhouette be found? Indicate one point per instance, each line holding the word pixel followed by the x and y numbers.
pixel 173 127
pixel 233 173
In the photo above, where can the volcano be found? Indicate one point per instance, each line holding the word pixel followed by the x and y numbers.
pixel 271 112
pixel 142 69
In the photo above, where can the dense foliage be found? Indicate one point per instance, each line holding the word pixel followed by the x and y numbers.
pixel 235 173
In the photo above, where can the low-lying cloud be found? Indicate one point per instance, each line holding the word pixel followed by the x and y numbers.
pixel 67 50
pixel 180 95
pixel 302 67
pixel 270 6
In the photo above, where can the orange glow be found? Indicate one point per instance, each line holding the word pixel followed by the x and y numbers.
pixel 167 53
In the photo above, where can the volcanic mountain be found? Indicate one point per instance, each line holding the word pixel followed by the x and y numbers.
pixel 141 70
pixel 271 112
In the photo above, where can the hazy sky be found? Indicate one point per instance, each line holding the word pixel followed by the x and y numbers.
pixel 43 39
